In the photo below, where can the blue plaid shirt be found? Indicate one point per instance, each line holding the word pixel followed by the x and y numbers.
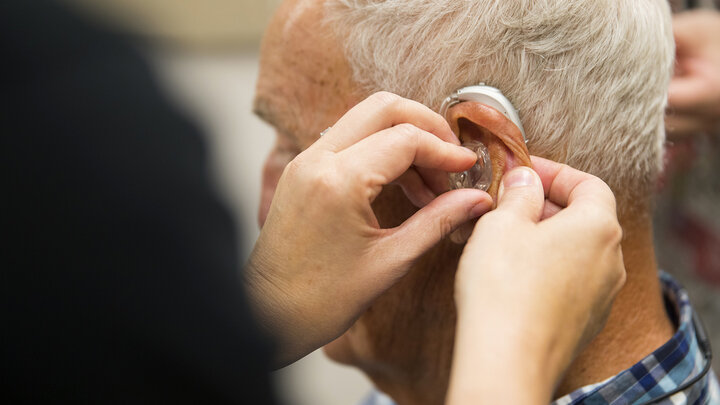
pixel 671 366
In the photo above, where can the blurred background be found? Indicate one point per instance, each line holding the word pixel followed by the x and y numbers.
pixel 205 54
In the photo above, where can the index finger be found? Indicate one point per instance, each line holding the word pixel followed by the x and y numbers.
pixel 381 111
pixel 389 153
pixel 564 185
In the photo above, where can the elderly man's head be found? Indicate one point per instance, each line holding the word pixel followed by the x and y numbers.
pixel 588 78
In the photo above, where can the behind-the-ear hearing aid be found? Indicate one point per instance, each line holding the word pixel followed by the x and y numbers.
pixel 480 175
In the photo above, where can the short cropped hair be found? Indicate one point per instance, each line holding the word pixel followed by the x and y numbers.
pixel 588 77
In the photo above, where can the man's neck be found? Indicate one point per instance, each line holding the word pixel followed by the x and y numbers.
pixel 638 323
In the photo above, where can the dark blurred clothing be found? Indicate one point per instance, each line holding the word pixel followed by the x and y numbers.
pixel 120 274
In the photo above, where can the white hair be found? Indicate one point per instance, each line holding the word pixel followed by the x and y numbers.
pixel 588 77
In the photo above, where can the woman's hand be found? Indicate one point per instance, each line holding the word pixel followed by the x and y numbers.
pixel 322 257
pixel 535 283
pixel 694 94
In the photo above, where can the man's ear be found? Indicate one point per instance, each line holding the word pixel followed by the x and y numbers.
pixel 474 121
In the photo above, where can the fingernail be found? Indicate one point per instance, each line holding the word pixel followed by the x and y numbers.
pixel 470 152
pixel 519 177
pixel 455 138
pixel 480 209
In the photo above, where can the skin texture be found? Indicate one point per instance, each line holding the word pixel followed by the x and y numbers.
pixel 404 341
pixel 295 74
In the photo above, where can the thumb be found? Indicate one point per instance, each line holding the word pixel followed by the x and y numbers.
pixel 521 192
pixel 435 221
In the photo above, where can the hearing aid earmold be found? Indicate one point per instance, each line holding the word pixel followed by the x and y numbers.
pixel 480 175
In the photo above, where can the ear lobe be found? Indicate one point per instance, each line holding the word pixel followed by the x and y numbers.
pixel 472 120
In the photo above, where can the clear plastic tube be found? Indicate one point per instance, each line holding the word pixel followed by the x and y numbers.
pixel 480 175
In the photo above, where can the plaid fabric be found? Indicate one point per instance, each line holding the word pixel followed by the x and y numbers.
pixel 667 368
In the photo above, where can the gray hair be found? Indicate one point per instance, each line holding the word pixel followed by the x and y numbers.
pixel 588 77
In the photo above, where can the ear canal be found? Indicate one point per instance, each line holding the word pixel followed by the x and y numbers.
pixel 476 122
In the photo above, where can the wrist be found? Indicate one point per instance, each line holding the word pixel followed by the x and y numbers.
pixel 507 358
pixel 274 310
